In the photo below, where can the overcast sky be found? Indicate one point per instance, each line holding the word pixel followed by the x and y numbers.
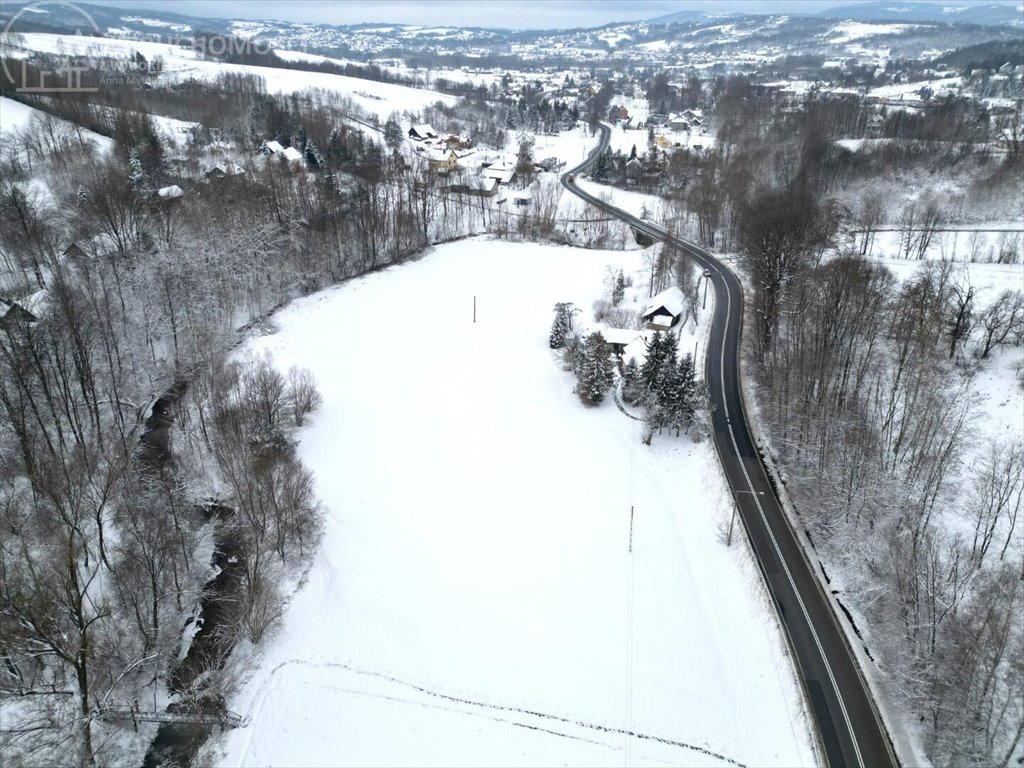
pixel 516 14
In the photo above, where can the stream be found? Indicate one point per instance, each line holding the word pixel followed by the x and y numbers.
pixel 176 744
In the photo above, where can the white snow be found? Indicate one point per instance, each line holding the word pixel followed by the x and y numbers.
pixel 15 116
pixel 655 45
pixel 182 64
pixel 475 560
pixel 639 204
pixel 856 30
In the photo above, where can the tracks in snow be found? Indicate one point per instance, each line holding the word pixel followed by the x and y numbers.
pixel 510 710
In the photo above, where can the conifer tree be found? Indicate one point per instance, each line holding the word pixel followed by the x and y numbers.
pixel 561 327
pixel 619 289
pixel 312 155
pixel 392 133
pixel 652 361
pixel 596 372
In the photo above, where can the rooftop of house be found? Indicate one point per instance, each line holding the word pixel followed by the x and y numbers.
pixel 671 299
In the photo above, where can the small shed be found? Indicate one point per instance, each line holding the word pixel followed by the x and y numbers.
pixel 665 310
pixel 271 147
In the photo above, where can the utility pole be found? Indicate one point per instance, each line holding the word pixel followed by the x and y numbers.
pixel 474 309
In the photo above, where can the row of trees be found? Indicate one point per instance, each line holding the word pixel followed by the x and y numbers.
pixel 866 386
pixel 870 407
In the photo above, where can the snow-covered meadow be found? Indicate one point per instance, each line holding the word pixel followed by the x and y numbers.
pixel 15 116
pixel 184 63
pixel 474 600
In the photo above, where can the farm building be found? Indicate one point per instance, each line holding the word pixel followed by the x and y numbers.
pixel 422 132
pixel 665 310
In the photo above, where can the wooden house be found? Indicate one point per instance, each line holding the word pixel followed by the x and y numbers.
pixel 665 310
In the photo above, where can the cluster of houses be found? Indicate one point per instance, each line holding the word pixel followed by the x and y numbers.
pixel 445 154
pixel 442 153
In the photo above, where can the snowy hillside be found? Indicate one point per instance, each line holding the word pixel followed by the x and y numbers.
pixel 183 63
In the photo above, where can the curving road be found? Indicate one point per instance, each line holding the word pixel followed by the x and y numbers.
pixel 848 723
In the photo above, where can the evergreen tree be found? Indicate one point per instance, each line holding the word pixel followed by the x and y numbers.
pixel 596 372
pixel 661 352
pixel 561 327
pixel 392 133
pixel 632 153
pixel 136 173
pixel 650 136
pixel 312 155
pixel 674 395
pixel 604 168
pixel 524 163
pixel 630 380
pixel 619 289
pixel 691 392
pixel 652 361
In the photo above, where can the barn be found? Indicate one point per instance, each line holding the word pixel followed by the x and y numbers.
pixel 665 310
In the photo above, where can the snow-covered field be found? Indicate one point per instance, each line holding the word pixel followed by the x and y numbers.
pixel 182 63
pixel 639 204
pixel 474 600
pixel 15 116
pixel 857 30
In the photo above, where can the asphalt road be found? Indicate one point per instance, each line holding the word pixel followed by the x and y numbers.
pixel 842 706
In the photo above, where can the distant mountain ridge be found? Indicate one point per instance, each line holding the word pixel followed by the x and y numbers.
pixel 689 35
pixel 989 15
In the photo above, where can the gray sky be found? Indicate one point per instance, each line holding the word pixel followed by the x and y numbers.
pixel 515 14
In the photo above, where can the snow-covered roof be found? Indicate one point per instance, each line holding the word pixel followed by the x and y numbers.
pixel 292 155
pixel 636 349
pixel 424 131
pixel 621 336
pixel 503 172
pixel 274 146
pixel 671 299
pixel 171 192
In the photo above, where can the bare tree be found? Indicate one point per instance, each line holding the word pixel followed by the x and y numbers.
pixel 1000 320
